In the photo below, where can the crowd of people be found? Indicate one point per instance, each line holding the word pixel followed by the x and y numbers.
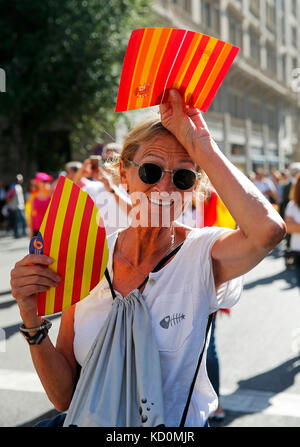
pixel 136 251
pixel 22 210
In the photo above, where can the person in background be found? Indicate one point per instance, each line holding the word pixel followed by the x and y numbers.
pixel 292 220
pixel 109 197
pixel 265 185
pixel 111 152
pixel 294 169
pixel 276 179
pixel 40 202
pixel 16 205
pixel 78 172
pixel 2 203
pixel 28 204
pixel 292 172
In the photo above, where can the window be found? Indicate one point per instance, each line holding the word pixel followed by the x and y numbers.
pixel 236 106
pixel 294 124
pixel 283 37
pixel 294 36
pixel 235 31
pixel 254 7
pixel 237 149
pixel 187 6
pixel 163 3
pixel 254 46
pixel 216 103
pixel 271 60
pixel 211 14
pixel 271 16
pixel 283 62
pixel 207 14
pixel 255 111
pixel 272 118
pixel 295 63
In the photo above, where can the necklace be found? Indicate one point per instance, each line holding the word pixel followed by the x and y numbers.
pixel 130 263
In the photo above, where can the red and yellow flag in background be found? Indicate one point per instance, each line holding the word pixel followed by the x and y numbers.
pixel 216 214
pixel 70 235
pixel 158 59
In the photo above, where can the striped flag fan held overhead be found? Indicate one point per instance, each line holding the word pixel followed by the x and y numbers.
pixel 158 59
pixel 73 235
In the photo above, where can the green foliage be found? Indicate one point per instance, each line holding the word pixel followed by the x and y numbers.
pixel 63 61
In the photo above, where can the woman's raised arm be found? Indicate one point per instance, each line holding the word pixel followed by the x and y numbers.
pixel 260 226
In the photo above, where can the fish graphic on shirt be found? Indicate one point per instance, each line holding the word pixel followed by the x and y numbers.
pixel 171 320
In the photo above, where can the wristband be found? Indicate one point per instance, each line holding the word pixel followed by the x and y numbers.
pixel 41 332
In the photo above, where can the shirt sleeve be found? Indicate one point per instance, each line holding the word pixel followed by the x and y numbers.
pixel 229 292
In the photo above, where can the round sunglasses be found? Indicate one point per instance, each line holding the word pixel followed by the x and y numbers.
pixel 151 173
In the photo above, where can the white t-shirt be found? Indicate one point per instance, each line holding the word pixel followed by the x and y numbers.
pixel 292 210
pixel 113 216
pixel 17 200
pixel 179 298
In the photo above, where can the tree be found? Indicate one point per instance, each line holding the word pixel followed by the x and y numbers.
pixel 62 61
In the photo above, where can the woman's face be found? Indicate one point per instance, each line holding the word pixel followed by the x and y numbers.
pixel 43 186
pixel 160 203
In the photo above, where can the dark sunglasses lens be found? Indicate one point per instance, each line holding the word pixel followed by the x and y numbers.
pixel 184 179
pixel 150 173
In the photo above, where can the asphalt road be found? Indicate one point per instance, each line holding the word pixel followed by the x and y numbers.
pixel 258 346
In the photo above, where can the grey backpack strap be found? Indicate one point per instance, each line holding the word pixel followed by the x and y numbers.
pixel 186 408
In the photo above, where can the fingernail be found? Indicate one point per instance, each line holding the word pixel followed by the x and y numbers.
pixel 49 260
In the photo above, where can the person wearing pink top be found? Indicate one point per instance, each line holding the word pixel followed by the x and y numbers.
pixel 41 201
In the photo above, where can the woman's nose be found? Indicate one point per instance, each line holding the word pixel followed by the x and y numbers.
pixel 165 184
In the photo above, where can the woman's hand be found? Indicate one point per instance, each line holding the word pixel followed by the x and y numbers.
pixel 185 123
pixel 30 276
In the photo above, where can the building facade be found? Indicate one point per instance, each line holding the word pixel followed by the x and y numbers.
pixel 255 115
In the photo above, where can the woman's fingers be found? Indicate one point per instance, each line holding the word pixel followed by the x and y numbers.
pixel 26 292
pixel 32 275
pixel 35 259
pixel 34 280
pixel 194 114
pixel 30 270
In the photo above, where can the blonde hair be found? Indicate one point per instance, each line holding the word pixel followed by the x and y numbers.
pixel 145 131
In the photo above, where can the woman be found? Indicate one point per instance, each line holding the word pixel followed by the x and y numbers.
pixel 292 220
pixel 201 278
pixel 40 201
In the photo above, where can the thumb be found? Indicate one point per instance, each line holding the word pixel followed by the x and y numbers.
pixel 176 100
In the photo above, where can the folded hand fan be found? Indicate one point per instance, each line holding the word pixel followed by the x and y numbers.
pixel 158 59
pixel 72 233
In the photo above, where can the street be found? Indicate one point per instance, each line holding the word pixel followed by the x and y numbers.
pixel 258 346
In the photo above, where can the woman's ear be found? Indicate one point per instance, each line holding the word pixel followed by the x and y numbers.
pixel 123 176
